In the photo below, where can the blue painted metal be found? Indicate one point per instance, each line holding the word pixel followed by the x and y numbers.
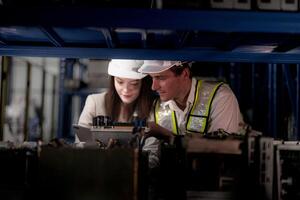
pixel 274 118
pixel 291 91
pixel 130 38
pixel 238 81
pixel 108 38
pixel 84 94
pixel 195 54
pixel 81 35
pixel 224 21
pixel 24 34
pixel 272 96
pixel 221 73
pixel 82 30
pixel 253 91
pixel 297 119
pixel 182 39
pixel 53 36
pixel 235 79
pixel 232 77
pixel 82 69
pixel 290 85
pixel 294 93
pixel 64 114
pixel 2 42
pixel 144 38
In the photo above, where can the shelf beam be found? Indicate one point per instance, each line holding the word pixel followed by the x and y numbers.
pixel 195 54
pixel 52 36
pixel 202 20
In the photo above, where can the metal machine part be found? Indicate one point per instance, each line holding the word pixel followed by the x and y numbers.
pixel 223 167
pixel 288 170
pixel 72 173
pixel 59 170
pixel 266 163
pixel 109 133
pixel 19 170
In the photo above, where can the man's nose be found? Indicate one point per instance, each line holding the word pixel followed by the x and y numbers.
pixel 154 85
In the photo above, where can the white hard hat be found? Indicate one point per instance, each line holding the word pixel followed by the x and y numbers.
pixel 157 66
pixel 125 68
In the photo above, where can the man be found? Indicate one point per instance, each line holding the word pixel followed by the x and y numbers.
pixel 188 105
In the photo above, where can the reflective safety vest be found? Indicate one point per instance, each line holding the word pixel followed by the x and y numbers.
pixel 198 114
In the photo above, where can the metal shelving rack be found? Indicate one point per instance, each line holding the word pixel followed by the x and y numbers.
pixel 222 36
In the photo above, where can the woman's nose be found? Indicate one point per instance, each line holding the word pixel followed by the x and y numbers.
pixel 128 87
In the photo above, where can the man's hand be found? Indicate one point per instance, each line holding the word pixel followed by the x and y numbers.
pixel 159 132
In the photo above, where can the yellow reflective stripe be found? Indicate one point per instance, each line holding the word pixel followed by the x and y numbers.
pixel 195 102
pixel 174 123
pixel 207 106
pixel 209 102
pixel 156 109
pixel 204 125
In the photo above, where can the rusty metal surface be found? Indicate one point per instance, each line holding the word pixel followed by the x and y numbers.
pixel 203 145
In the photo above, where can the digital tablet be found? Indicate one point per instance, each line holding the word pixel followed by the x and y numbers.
pixel 123 134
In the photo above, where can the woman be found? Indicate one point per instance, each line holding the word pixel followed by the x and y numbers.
pixel 124 97
pixel 129 95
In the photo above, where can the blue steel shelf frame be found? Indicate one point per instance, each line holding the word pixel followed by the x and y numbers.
pixel 220 21
pixel 150 19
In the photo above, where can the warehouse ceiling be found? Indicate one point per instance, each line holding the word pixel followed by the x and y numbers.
pixel 143 33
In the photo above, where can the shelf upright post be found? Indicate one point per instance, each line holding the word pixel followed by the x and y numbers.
pixel 64 112
pixel 253 91
pixel 235 79
pixel 272 94
pixel 291 90
pixel 297 120
pixel 83 68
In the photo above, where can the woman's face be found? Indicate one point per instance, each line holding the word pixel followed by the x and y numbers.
pixel 128 89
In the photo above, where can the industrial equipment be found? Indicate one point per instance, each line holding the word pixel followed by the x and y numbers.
pixel 288 170
pixel 211 166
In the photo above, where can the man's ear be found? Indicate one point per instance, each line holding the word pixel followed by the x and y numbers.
pixel 186 73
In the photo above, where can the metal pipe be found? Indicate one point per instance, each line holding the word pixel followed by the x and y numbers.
pixel 272 94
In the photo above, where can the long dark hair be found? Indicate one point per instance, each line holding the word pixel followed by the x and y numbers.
pixel 142 104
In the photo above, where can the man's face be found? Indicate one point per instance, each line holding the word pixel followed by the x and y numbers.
pixel 166 84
